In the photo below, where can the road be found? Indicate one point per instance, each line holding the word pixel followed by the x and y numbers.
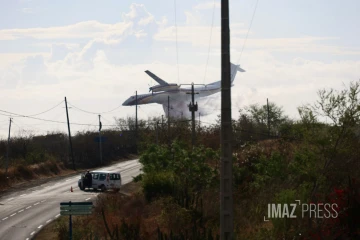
pixel 24 213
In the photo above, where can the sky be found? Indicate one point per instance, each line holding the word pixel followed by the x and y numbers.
pixel 95 53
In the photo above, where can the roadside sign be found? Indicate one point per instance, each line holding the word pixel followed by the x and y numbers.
pixel 78 207
pixel 67 213
pixel 75 208
pixel 75 203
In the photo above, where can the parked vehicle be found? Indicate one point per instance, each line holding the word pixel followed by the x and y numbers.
pixel 102 180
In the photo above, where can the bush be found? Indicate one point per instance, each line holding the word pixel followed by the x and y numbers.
pixel 157 184
pixel 25 172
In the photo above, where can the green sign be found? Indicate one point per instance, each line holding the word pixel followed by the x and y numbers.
pixel 78 207
pixel 75 208
pixel 75 203
pixel 67 213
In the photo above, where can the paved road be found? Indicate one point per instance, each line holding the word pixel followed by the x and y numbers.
pixel 24 213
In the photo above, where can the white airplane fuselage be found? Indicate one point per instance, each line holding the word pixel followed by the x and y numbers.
pixel 177 96
pixel 181 94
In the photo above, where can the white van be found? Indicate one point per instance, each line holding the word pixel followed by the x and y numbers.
pixel 103 180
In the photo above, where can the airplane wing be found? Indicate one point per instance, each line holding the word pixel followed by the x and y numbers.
pixel 156 78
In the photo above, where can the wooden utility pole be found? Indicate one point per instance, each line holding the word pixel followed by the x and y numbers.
pixel 69 132
pixel 199 121
pixel 226 198
pixel 100 147
pixel 136 122
pixel 193 108
pixel 268 116
pixel 8 148
pixel 168 120
pixel 157 132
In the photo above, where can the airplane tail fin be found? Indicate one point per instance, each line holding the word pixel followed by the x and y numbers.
pixel 234 69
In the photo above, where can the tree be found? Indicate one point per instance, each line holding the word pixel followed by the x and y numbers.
pixel 253 121
pixel 338 141
pixel 337 149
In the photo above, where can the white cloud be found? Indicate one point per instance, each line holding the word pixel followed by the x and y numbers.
pixel 207 5
pixel 86 29
pixel 139 14
pixel 85 72
pixel 29 10
pixel 198 36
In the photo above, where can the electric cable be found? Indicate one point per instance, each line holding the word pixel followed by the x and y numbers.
pixel 176 40
pixel 212 24
pixel 247 34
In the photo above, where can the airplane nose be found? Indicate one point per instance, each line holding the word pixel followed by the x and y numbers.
pixel 127 102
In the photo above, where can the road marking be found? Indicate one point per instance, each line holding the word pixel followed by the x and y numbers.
pixel 10 199
pixel 67 180
pixel 43 200
pixel 48 220
pixel 13 214
pixel 40 226
pixel 28 207
pixel 32 233
pixel 57 215
pixel 87 199
pixel 5 218
pixel 27 239
pixel 36 203
pixel 22 195
pixel 21 211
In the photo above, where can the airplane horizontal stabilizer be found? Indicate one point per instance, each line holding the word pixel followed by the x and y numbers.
pixel 156 78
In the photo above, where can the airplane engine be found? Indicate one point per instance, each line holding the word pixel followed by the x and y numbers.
pixel 161 88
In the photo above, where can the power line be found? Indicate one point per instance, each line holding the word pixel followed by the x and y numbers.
pixel 47 120
pixel 247 34
pixel 177 51
pixel 21 115
pixel 46 110
pixel 212 24
pixel 106 119
pixel 94 112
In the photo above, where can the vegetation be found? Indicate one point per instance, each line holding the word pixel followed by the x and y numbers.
pixel 276 160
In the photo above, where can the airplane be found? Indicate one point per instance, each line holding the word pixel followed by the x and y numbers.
pixel 179 97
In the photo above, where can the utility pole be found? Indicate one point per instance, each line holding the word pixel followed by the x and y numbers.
pixel 193 108
pixel 226 193
pixel 8 148
pixel 100 126
pixel 68 123
pixel 199 121
pixel 136 122
pixel 268 117
pixel 157 132
pixel 168 120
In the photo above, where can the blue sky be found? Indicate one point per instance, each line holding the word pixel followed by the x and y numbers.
pixel 95 52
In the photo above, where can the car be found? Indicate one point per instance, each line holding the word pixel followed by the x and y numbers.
pixel 102 180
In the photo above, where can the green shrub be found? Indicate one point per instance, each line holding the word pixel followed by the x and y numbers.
pixel 157 184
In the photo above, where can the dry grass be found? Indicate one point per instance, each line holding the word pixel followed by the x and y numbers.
pixel 20 173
